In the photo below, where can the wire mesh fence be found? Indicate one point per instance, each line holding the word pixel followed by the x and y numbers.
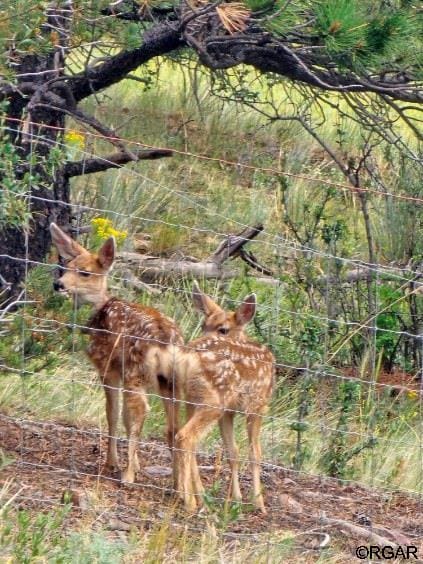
pixel 329 424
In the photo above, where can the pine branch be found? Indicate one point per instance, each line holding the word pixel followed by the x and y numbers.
pixel 160 40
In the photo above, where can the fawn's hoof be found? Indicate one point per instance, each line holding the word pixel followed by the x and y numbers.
pixel 190 504
pixel 113 467
pixel 127 477
pixel 259 505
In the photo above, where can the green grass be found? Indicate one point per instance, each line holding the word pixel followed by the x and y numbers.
pixel 45 536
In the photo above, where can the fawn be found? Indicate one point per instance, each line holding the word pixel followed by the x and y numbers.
pixel 131 346
pixel 224 372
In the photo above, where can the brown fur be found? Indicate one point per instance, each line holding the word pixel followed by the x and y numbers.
pixel 131 346
pixel 224 374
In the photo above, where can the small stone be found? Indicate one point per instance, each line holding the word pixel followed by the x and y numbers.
pixel 76 498
pixel 307 494
pixel 158 471
pixel 206 468
pixel 288 482
pixel 290 504
pixel 118 525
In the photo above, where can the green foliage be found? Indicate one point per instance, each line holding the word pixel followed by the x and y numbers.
pixel 37 338
pixel 300 425
pixel 390 320
pixel 261 5
pixel 341 24
pixel 335 231
pixel 28 537
pixel 359 33
pixel 340 450
pixel 20 32
pixel 386 31
pixel 15 186
pixel 281 16
pixel 132 35
pixel 222 514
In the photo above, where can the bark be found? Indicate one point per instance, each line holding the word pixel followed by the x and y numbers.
pixel 18 252
pixel 115 160
pixel 161 40
pixel 150 269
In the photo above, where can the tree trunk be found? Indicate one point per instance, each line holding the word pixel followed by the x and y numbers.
pixel 49 196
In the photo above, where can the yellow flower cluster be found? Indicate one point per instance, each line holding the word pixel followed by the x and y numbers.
pixel 75 138
pixel 103 229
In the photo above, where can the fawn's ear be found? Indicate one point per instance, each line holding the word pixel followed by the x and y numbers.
pixel 67 247
pixel 202 302
pixel 247 310
pixel 106 254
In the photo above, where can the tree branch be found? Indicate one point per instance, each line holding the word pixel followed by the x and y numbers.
pixel 232 245
pixel 115 160
pixel 160 40
pixel 268 54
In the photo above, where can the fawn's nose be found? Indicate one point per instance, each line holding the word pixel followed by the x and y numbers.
pixel 57 285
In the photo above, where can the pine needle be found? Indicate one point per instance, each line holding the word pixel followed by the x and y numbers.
pixel 233 16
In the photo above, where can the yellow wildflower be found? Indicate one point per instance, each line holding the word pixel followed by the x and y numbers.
pixel 412 394
pixel 103 229
pixel 75 138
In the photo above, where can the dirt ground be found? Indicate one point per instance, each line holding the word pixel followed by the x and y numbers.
pixel 48 459
pixel 397 381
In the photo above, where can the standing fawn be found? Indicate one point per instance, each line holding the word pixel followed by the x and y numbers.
pixel 131 346
pixel 223 372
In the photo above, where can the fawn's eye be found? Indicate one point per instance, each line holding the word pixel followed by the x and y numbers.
pixel 84 273
pixel 223 330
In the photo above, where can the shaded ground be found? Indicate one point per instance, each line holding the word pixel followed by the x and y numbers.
pixel 45 460
pixel 397 381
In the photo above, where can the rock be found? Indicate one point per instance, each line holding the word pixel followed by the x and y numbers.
pixel 290 504
pixel 158 471
pixel 142 242
pixel 288 482
pixel 76 498
pixel 308 494
pixel 118 525
pixel 206 468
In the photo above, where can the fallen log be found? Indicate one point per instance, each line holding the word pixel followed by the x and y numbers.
pixel 357 531
pixel 149 268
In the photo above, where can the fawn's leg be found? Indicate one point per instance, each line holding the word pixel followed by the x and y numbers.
pixel 196 482
pixel 253 427
pixel 111 383
pixel 178 458
pixel 170 397
pixel 135 408
pixel 186 443
pixel 226 425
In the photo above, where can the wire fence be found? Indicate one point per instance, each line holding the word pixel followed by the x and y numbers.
pixel 386 455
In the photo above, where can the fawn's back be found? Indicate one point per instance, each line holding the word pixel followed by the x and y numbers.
pixel 237 375
pixel 231 370
pixel 127 339
pixel 132 339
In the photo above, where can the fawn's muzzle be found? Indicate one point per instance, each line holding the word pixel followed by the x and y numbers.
pixel 57 285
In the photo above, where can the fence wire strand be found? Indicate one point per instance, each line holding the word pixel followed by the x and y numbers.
pixel 317 373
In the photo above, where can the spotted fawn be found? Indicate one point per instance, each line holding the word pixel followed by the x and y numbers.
pixel 131 346
pixel 222 373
